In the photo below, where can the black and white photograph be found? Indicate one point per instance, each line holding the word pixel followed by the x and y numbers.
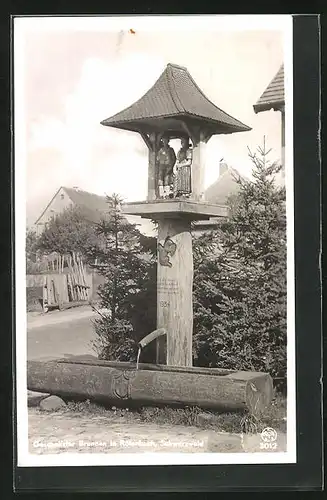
pixel 154 232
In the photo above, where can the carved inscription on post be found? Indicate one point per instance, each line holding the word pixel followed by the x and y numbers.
pixel 166 285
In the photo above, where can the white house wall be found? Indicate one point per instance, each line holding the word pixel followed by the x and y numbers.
pixel 59 203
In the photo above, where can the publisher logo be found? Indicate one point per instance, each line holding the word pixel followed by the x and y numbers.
pixel 268 439
pixel 268 435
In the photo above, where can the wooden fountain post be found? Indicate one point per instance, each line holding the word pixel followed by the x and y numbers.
pixel 175 254
pixel 174 290
pixel 166 109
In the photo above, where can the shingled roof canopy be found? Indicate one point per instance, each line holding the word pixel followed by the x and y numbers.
pixel 273 97
pixel 174 98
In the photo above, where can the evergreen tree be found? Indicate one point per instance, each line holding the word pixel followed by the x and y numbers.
pixel 128 293
pixel 240 279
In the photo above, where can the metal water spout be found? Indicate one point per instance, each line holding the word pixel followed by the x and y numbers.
pixel 146 340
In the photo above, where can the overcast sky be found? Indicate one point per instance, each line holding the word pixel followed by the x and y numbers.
pixel 74 78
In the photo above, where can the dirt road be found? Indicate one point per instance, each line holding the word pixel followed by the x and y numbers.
pixel 60 334
pixel 37 320
pixel 73 432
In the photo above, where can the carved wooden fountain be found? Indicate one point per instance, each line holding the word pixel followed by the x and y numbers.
pixel 174 108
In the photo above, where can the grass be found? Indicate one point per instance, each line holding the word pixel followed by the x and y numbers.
pixel 236 422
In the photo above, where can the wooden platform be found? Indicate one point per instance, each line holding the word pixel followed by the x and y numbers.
pixel 175 208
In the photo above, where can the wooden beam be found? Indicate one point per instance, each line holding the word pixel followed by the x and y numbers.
pixel 205 136
pixel 159 136
pixel 197 176
pixel 283 139
pixel 189 132
pixel 174 291
pixel 147 141
pixel 196 135
pixel 152 170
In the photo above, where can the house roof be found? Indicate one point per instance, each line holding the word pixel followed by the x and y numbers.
pixel 93 205
pixel 273 97
pixel 223 187
pixel 218 192
pixel 174 97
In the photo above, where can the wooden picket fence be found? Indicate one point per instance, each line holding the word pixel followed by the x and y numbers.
pixel 68 284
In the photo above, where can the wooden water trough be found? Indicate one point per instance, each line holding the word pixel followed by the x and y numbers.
pixel 121 384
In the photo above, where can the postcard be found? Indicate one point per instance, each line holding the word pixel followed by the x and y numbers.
pixel 154 233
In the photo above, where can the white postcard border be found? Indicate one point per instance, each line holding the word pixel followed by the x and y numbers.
pixel 204 23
